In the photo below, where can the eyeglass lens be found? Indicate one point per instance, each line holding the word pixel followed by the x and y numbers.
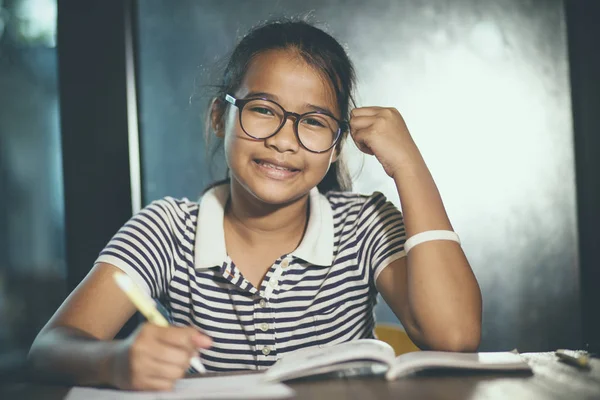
pixel 261 118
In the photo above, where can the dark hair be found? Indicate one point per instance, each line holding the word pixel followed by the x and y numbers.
pixel 319 50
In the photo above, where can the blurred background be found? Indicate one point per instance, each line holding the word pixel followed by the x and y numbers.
pixel 102 110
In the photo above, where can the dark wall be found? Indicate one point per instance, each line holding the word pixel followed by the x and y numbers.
pixel 584 54
pixel 94 116
pixel 91 41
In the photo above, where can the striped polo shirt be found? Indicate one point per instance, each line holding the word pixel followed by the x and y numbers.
pixel 320 294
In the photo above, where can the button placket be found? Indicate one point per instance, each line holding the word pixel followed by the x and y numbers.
pixel 274 279
pixel 264 333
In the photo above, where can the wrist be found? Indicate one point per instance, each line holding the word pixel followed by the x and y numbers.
pixel 112 362
pixel 413 169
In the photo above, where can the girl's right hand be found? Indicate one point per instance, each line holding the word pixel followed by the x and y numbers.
pixel 154 357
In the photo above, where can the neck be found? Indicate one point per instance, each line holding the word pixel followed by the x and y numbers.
pixel 259 224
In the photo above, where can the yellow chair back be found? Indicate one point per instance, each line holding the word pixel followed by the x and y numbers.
pixel 396 337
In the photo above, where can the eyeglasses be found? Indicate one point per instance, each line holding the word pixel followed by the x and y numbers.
pixel 261 119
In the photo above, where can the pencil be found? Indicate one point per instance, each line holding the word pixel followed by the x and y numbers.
pixel 148 309
pixel 576 359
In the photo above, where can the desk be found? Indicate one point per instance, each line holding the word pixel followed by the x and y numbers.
pixel 551 379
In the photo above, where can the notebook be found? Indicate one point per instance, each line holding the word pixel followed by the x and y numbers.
pixel 379 356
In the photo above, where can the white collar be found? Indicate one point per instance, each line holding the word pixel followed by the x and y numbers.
pixel 209 248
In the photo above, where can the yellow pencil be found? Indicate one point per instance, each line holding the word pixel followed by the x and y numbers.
pixel 574 358
pixel 146 306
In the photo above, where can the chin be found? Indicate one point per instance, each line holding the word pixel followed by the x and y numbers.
pixel 276 193
pixel 273 192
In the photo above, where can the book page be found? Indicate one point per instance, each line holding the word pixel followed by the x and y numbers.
pixel 303 362
pixel 246 386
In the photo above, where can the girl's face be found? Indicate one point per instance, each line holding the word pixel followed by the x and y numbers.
pixel 281 76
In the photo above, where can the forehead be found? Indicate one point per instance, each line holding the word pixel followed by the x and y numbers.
pixel 287 76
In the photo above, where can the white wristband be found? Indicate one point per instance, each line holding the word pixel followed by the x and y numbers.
pixel 428 236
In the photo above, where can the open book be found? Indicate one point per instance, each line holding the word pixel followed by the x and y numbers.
pixel 379 356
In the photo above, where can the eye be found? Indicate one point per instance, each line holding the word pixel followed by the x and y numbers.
pixel 261 110
pixel 313 122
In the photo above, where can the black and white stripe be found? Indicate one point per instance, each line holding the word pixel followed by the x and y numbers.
pixel 300 303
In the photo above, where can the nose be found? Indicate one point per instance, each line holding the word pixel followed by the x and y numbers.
pixel 285 139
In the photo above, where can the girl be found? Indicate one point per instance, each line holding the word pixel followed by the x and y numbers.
pixel 280 256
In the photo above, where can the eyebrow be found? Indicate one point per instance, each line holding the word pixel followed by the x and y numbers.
pixel 273 97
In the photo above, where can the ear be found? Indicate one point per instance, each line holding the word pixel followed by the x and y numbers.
pixel 334 156
pixel 336 153
pixel 216 117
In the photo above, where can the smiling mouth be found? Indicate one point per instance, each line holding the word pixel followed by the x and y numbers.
pixel 266 164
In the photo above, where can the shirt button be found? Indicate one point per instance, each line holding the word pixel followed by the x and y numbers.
pixel 266 351
pixel 264 327
pixel 262 303
pixel 285 264
pixel 274 283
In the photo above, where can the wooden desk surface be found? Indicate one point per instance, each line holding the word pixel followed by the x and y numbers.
pixel 551 379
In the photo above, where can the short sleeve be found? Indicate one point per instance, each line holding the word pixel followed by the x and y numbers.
pixel 383 234
pixel 145 246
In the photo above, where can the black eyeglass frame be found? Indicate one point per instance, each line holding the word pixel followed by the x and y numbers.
pixel 241 103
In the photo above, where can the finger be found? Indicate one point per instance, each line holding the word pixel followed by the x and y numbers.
pixel 361 122
pixel 201 340
pixel 364 148
pixel 166 371
pixel 185 338
pixel 365 111
pixel 149 374
pixel 173 356
pixel 363 133
pixel 359 140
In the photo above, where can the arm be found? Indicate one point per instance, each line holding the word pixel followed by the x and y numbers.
pixel 73 346
pixel 76 345
pixel 433 290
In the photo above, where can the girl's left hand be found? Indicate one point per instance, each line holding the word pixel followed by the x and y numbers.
pixel 382 132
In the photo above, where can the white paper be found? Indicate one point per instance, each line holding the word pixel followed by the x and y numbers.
pixel 247 386
pixel 306 361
